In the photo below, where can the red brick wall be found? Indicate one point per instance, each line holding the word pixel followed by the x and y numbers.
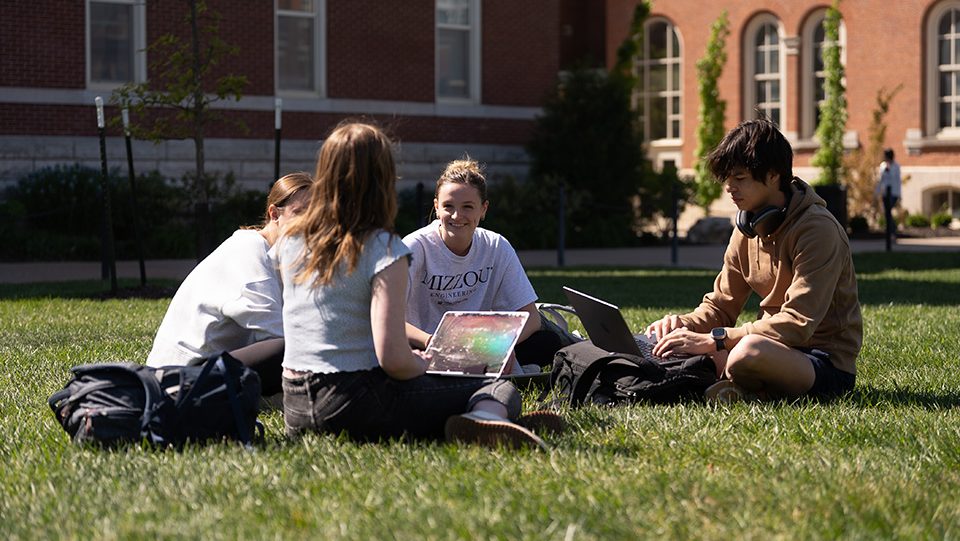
pixel 380 50
pixel 520 51
pixel 884 49
pixel 43 44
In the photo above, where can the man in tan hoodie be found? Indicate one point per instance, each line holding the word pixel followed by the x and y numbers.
pixel 790 251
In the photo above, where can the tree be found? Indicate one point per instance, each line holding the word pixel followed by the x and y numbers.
pixel 176 102
pixel 833 109
pixel 712 112
pixel 861 166
pixel 587 142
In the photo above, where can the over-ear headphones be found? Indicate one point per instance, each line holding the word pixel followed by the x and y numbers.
pixel 763 222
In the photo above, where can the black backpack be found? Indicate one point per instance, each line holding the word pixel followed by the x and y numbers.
pixel 112 403
pixel 583 373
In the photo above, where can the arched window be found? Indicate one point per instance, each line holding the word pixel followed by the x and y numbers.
pixel 943 70
pixel 812 72
pixel 764 70
pixel 658 68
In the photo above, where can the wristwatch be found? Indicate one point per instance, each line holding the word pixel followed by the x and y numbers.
pixel 719 335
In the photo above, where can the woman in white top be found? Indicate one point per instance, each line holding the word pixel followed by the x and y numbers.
pixel 457 265
pixel 231 300
pixel 347 365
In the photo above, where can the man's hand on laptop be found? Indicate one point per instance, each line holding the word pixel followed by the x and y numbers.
pixel 663 327
pixel 684 341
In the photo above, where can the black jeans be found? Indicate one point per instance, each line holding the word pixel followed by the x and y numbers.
pixel 368 405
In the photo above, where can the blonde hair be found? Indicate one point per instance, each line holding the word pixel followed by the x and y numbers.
pixel 464 171
pixel 353 195
pixel 283 189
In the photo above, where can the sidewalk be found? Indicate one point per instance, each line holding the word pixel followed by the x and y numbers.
pixel 689 256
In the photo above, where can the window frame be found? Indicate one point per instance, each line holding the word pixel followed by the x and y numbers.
pixel 139 29
pixel 932 72
pixel 748 48
pixel 642 96
pixel 810 104
pixel 319 50
pixel 474 41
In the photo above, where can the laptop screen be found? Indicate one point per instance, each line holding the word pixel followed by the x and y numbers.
pixel 474 343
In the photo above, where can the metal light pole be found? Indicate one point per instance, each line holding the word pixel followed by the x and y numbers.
pixel 125 113
pixel 278 105
pixel 109 262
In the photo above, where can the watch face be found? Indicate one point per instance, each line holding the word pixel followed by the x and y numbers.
pixel 719 333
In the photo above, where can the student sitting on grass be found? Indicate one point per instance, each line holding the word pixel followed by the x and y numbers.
pixel 231 300
pixel 457 265
pixel 348 366
pixel 790 250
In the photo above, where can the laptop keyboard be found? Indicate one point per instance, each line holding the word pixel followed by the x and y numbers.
pixel 646 349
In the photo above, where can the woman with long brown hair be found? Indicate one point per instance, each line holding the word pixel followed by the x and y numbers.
pixel 348 366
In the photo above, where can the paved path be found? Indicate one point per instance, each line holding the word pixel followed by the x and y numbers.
pixel 695 256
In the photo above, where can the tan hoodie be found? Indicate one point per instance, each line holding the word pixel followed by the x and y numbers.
pixel 803 273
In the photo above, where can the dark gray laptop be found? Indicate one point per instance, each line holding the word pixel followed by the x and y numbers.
pixel 606 327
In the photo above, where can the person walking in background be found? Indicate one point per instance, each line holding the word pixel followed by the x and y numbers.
pixel 889 179
pixel 231 300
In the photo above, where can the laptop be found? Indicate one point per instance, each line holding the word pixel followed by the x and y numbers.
pixel 606 327
pixel 474 344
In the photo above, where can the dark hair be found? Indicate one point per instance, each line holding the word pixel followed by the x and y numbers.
pixel 756 145
pixel 888 154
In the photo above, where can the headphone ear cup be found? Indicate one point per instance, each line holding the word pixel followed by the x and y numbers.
pixel 744 223
pixel 768 220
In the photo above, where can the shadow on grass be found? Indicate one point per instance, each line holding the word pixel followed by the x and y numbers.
pixel 89 289
pixel 880 261
pixel 868 396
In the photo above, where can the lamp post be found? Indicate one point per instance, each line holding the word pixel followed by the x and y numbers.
pixel 108 266
pixel 125 114
pixel 278 106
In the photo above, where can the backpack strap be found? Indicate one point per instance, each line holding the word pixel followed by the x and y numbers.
pixel 232 370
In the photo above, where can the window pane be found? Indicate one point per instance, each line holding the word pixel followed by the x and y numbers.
pixel 675 53
pixel 657 33
pixel 675 126
pixel 658 78
pixel 675 105
pixel 111 42
pixel 944 115
pixel 956 115
pixel 296 5
pixel 761 92
pixel 819 33
pixel 453 12
pixel 658 118
pixel 453 79
pixel 944 27
pixel 818 57
pixel 775 61
pixel 675 77
pixel 295 52
pixel 820 92
pixel 946 78
pixel 774 90
pixel 775 116
pixel 761 62
pixel 944 57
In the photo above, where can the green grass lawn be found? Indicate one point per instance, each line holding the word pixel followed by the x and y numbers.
pixel 882 463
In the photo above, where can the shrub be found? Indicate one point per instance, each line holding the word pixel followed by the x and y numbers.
pixel 54 214
pixel 941 219
pixel 917 220
pixel 859 225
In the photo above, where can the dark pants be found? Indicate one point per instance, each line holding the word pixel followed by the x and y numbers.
pixel 538 348
pixel 270 371
pixel 369 405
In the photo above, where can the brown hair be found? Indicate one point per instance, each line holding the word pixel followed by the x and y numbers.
pixel 353 195
pixel 283 189
pixel 465 171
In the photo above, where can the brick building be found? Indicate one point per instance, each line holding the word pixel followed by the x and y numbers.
pixel 773 51
pixel 443 76
pixel 454 76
